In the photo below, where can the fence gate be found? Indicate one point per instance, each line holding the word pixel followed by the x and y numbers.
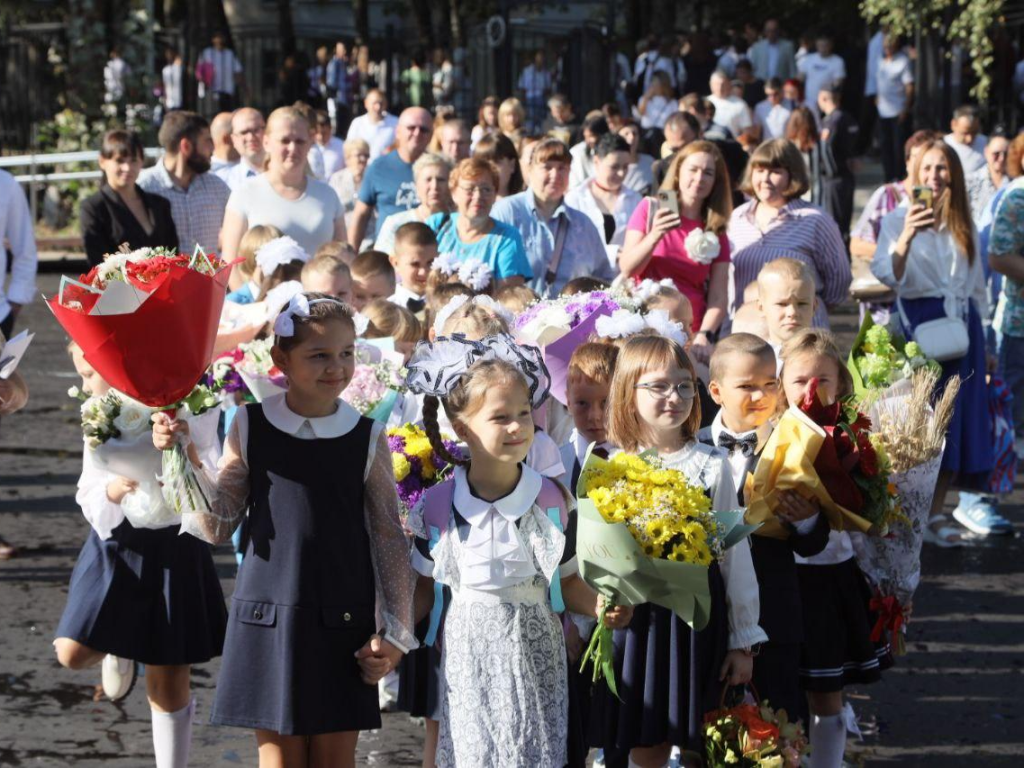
pixel 28 85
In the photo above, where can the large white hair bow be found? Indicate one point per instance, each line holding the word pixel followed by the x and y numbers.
pixel 456 302
pixel 298 306
pixel 277 252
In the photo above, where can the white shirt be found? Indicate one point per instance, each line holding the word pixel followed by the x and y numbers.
pixel 236 174
pixel 640 175
pixel 893 76
pixel 315 160
pixel 772 118
pixel 534 82
pixel 657 111
pixel 173 96
pixel 582 198
pixel 820 72
pixel 581 167
pixel 334 156
pixel 379 136
pixel 225 66
pixel 16 228
pixel 935 266
pixel 733 113
pixel 114 73
pixel 876 52
pixel 971 157
pixel 403 295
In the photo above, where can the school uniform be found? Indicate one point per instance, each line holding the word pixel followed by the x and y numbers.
pixel 403 297
pixel 777 664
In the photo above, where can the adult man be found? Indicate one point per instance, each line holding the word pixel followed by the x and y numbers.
pixel 317 76
pixel 455 140
pixel 772 56
pixel 983 183
pixel 561 242
pixel 821 69
pixel 340 89
pixel 663 57
pixel 680 129
pixel 388 185
pixel 582 153
pixel 771 115
pixel 966 138
pixel 753 89
pixel 181 175
pixel 224 154
pixel 839 133
pixel 16 229
pixel 730 111
pixel 247 136
pixel 894 97
pixel 220 72
pixel 377 126
pixel 173 75
pixel 535 83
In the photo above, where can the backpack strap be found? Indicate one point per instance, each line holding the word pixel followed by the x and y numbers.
pixel 552 500
pixel 437 506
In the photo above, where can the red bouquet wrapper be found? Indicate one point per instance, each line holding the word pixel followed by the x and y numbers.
pixel 838 456
pixel 159 352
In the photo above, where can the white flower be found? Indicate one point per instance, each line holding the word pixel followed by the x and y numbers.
pixel 647 288
pixel 446 263
pixel 702 247
pixel 619 324
pixel 74 392
pixel 475 273
pixel 132 421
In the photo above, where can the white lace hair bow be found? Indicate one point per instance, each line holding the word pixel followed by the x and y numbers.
pixel 472 272
pixel 456 302
pixel 647 288
pixel 435 369
pixel 277 252
pixel 623 323
pixel 298 306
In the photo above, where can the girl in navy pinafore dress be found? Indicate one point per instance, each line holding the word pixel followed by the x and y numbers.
pixel 327 552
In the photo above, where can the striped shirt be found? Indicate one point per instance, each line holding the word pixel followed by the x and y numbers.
pixel 225 66
pixel 198 211
pixel 801 231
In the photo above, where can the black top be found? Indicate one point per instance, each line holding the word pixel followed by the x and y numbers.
pixel 840 146
pixel 107 223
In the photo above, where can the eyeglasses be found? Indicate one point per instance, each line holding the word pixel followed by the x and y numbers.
pixel 474 190
pixel 417 128
pixel 661 390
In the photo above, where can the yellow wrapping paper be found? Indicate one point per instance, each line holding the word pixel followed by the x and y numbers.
pixel 787 463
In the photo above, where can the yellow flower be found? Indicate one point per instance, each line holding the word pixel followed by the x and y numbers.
pixel 401 465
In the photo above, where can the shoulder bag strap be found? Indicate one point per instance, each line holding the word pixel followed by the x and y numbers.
pixel 552 501
pixel 561 231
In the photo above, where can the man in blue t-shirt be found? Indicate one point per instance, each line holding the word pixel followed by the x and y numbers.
pixel 388 185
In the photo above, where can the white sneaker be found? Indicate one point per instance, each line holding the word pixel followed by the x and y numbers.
pixel 118 677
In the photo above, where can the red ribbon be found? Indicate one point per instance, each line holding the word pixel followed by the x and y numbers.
pixel 890 616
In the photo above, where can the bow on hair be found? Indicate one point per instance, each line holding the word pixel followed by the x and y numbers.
pixel 277 252
pixel 456 302
pixel 298 306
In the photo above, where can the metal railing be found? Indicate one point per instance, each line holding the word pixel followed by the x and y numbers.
pixel 34 178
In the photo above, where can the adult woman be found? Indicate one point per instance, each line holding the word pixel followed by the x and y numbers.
pixel 347 181
pixel 430 172
pixel 511 117
pixel 689 248
pixel 486 121
pixel 496 148
pixel 304 209
pixel 929 256
pixel 802 130
pixel 471 232
pixel 658 102
pixel 777 223
pixel 604 196
pixel 640 176
pixel 122 213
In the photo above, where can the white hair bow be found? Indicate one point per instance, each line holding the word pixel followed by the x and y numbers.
pixel 298 306
pixel 277 252
pixel 455 302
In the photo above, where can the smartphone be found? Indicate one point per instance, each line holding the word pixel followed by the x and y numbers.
pixel 670 200
pixel 922 196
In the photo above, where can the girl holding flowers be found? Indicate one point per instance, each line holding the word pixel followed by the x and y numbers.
pixel 326 552
pixel 669 676
pixel 837 648
pixel 501 549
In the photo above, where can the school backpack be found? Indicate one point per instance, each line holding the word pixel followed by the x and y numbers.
pixel 437 505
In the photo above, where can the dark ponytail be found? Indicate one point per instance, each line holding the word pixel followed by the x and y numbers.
pixel 433 430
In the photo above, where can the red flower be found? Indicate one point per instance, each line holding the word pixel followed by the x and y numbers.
pixel 868 457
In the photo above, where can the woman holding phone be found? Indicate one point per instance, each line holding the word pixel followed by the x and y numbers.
pixel 680 234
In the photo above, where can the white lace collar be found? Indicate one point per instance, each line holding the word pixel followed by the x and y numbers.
pixel 339 423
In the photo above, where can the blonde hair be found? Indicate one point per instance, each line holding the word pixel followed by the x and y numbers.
pixel 352 146
pixel 815 341
pixel 516 298
pixel 336 248
pixel 750 319
pixel 642 353
pixel 952 207
pixel 474 321
pixel 254 239
pixel 511 108
pixel 794 269
pixel 739 344
pixel 717 206
pixel 466 399
pixel 388 320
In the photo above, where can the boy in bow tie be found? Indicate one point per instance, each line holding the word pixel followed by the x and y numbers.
pixel 414 253
pixel 744 384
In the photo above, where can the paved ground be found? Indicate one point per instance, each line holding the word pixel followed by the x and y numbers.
pixel 951 701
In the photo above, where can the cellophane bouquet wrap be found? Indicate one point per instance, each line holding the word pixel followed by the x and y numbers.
pixel 912 426
pixel 146 320
pixel 257 370
pixel 753 735
pixel 646 535
pixel 830 453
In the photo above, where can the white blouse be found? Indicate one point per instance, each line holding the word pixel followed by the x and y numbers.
pixel 935 266
pixel 389 549
pixel 582 198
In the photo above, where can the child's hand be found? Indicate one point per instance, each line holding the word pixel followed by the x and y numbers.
pixel 120 487
pixel 166 431
pixel 738 668
pixel 793 507
pixel 376 659
pixel 617 616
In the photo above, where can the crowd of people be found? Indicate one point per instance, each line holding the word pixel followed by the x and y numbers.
pixel 730 213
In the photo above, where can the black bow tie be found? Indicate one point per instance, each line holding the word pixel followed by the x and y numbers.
pixel 415 305
pixel 747 444
pixel 600 452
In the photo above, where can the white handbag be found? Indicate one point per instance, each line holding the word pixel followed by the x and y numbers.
pixel 942 339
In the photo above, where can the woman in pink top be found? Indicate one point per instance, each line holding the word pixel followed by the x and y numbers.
pixel 691 249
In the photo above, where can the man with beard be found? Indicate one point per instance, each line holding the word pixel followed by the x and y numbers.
pixel 182 175
pixel 247 127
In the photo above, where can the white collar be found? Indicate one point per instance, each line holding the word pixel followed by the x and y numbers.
pixel 762 432
pixel 511 507
pixel 403 294
pixel 339 423
pixel 580 444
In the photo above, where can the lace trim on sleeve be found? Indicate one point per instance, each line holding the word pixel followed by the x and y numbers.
pixel 226 488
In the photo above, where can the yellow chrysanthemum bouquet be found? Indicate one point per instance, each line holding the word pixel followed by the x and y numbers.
pixel 647 535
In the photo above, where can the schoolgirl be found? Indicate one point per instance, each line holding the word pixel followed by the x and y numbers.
pixel 669 676
pixel 326 552
pixel 504 544
pixel 837 648
pixel 139 595
pixel 270 259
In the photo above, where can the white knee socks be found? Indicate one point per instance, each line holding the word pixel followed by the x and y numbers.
pixel 172 736
pixel 828 741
